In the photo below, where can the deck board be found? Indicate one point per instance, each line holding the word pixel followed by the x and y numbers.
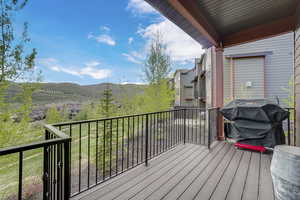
pixel 176 191
pixel 192 172
pixel 235 192
pixel 252 181
pixel 226 181
pixel 115 183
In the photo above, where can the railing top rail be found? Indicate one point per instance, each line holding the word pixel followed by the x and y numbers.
pixel 55 131
pixel 31 146
pixel 61 138
pixel 112 118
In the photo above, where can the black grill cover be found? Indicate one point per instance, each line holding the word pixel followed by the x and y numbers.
pixel 255 121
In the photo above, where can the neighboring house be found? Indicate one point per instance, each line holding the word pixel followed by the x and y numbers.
pixel 199 82
pixel 184 88
pixel 259 69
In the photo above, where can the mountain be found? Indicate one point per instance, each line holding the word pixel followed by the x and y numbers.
pixel 69 92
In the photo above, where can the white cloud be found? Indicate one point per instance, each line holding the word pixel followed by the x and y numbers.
pixel 92 63
pixel 95 73
pixel 105 28
pixel 103 38
pixel 140 7
pixel 90 69
pixel 130 40
pixel 134 57
pixel 180 45
pixel 136 83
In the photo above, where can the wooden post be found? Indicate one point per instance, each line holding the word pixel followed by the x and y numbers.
pixel 218 84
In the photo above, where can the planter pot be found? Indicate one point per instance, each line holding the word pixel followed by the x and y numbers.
pixel 285 170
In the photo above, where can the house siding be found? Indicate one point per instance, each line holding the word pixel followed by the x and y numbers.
pixel 249 70
pixel 297 75
pixel 278 63
pixel 184 88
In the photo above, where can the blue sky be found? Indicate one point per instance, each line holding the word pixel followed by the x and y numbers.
pixel 89 42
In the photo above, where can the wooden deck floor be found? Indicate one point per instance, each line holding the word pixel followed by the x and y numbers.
pixel 192 172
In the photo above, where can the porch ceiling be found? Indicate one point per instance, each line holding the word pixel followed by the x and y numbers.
pixel 230 22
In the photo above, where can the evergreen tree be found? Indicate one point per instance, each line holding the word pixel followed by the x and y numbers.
pixel 107 107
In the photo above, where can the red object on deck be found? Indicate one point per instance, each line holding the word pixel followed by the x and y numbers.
pixel 261 149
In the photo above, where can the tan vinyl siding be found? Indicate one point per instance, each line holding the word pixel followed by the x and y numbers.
pixel 249 70
pixel 297 76
pixel 278 62
pixel 227 80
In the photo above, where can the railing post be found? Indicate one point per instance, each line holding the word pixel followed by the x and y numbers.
pixel 46 169
pixel 147 138
pixel 289 127
pixel 67 172
pixel 208 127
pixel 184 126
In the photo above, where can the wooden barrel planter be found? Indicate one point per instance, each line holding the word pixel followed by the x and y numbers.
pixel 285 170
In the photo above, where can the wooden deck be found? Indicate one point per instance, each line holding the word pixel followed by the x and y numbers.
pixel 192 172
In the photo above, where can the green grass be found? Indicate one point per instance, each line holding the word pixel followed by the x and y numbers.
pixel 33 159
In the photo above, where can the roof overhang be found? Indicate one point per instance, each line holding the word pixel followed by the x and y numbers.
pixel 231 22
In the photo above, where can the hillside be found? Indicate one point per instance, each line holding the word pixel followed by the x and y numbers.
pixel 69 92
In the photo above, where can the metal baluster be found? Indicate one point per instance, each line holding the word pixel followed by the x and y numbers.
pixel 123 144
pixel 209 127
pixel 147 137
pixel 157 132
pixel 151 134
pixel 133 137
pixel 89 145
pixel 79 182
pixel 104 153
pixel 70 151
pixel 142 145
pixel 138 135
pixel 128 140
pixel 196 138
pixel 46 169
pixel 67 172
pixel 289 128
pixel 184 127
pixel 97 151
pixel 54 172
pixel 117 146
pixel 20 175
pixel 58 167
pixel 110 148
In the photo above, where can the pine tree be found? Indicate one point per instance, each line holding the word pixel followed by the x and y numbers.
pixel 107 107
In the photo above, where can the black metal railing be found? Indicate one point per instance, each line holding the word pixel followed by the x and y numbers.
pixel 213 123
pixel 55 148
pixel 77 156
pixel 104 148
pixel 289 128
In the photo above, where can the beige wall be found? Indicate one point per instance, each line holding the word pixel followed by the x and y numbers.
pixel 278 65
pixel 297 75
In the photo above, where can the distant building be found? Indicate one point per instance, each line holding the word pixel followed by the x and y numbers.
pixel 199 82
pixel 184 88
